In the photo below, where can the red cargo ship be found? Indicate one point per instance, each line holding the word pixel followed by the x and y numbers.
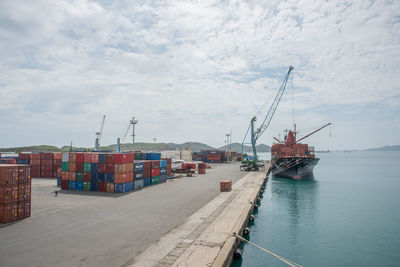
pixel 293 160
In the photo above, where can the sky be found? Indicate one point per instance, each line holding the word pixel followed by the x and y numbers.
pixel 196 70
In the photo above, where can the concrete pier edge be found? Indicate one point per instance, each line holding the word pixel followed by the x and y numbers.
pixel 205 238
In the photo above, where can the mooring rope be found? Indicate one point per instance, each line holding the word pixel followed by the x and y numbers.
pixel 288 262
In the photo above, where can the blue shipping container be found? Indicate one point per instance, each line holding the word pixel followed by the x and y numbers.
pixel 139 166
pixel 101 177
pixel 163 170
pixel 58 181
pixel 79 186
pixel 93 186
pixel 94 167
pixel 139 175
pixel 71 185
pixel 110 177
pixel 163 163
pixel 146 181
pixel 102 158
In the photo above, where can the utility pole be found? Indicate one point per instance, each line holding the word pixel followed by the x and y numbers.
pixel 133 122
pixel 227 146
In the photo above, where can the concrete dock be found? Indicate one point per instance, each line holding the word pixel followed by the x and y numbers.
pixel 205 239
pixel 102 229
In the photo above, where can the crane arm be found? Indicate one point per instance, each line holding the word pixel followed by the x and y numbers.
pixel 319 129
pixel 126 132
pixel 273 107
pixel 101 128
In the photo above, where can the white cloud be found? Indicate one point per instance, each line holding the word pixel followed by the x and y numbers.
pixel 191 70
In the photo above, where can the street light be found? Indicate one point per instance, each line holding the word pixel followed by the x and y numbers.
pixel 134 122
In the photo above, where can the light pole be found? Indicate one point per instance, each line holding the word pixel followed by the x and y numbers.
pixel 227 146
pixel 134 122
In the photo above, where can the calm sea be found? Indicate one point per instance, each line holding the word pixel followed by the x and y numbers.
pixel 348 215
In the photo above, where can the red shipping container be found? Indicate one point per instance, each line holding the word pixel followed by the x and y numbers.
pixel 27 191
pixel 102 187
pixel 110 168
pixel 226 186
pixel 87 157
pixel 57 156
pixel 64 176
pixel 14 211
pixel 8 174
pixel 121 178
pixel 35 174
pixel 35 168
pixel 128 168
pixel 5 213
pixel 72 157
pixel 48 162
pixel 110 187
pixel 47 174
pixel 5 194
pixel 155 164
pixel 71 176
pixel 57 162
pixel 55 174
pixel 72 167
pixel 95 158
pixel 118 168
pixel 47 156
pixel 24 156
pixel 27 208
pixel 47 168
pixel 109 158
pixel 78 166
pixel 79 157
pixel 86 177
pixel 36 156
pixel 155 172
pixel 120 158
pixel 21 210
pixel 64 184
pixel 101 168
pixel 36 162
pixel 21 191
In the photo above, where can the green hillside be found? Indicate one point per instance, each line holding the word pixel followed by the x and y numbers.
pixel 236 147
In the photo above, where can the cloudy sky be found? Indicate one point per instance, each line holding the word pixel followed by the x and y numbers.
pixel 194 70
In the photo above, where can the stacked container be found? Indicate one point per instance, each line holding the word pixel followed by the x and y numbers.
pixel 36 162
pixel 155 171
pixel 97 172
pixel 15 192
pixel 163 170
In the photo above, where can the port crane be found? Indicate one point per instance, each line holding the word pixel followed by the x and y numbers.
pixel 132 123
pixel 251 163
pixel 99 134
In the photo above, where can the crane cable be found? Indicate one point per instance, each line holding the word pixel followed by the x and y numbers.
pixel 288 262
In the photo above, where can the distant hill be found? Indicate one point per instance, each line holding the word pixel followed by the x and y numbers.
pixel 41 148
pixel 385 148
pixel 194 146
pixel 236 147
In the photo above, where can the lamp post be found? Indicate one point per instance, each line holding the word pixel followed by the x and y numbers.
pixel 134 122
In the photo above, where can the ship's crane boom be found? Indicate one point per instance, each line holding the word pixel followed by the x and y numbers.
pixel 99 135
pixel 319 129
pixel 255 134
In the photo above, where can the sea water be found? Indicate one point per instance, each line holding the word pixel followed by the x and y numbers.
pixel 348 215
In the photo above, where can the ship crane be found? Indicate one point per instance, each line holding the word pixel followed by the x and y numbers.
pixel 319 129
pixel 119 140
pixel 99 134
pixel 255 134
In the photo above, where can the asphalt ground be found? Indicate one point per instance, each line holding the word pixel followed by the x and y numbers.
pixel 104 229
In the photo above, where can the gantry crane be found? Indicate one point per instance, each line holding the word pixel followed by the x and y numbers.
pixel 251 163
pixel 99 134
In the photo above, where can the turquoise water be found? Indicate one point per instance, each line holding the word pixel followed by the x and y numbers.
pixel 349 215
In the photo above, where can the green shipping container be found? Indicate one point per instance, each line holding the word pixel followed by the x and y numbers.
pixel 86 186
pixel 79 177
pixel 64 166
pixel 138 156
pixel 86 167
pixel 155 179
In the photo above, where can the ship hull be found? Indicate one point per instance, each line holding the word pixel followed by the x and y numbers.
pixel 297 168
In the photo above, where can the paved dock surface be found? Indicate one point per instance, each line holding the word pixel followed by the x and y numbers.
pixel 103 229
pixel 205 239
